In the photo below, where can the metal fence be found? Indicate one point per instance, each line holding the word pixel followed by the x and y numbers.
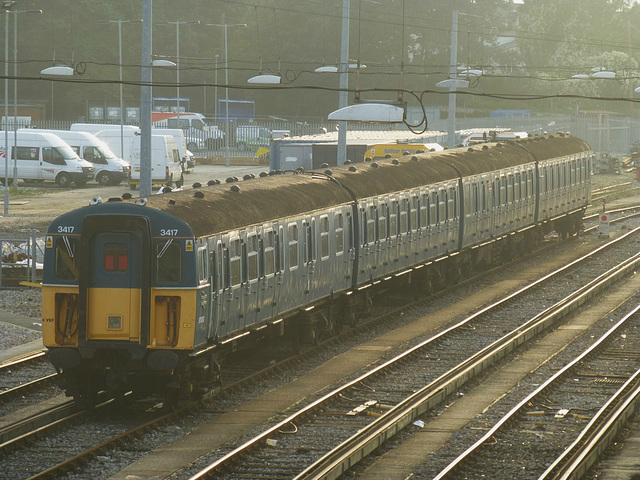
pixel 21 260
pixel 605 132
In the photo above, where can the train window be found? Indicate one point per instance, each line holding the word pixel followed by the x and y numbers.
pixel 324 236
pixel 280 249
pixel 469 197
pixel 203 265
pixel 116 257
pixel 453 200
pixel 503 191
pixel 413 217
pixel 424 212
pixel 516 187
pixel 510 194
pixel 168 261
pixel 435 211
pixel 349 226
pixel 382 222
pixel 226 266
pixel 442 206
pixel 307 250
pixel 213 268
pixel 339 229
pixel 252 258
pixel 404 216
pixel 269 253
pixel 393 220
pixel 293 245
pixel 235 267
pixel 370 222
pixel 66 266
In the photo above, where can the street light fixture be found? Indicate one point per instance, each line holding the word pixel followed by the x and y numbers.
pixel 120 22
pixel 226 27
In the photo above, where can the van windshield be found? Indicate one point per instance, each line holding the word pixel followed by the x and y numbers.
pixel 105 151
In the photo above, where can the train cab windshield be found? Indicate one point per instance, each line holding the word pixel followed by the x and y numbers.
pixel 168 261
pixel 66 259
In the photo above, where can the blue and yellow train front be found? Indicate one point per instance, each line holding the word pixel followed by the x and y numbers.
pixel 119 298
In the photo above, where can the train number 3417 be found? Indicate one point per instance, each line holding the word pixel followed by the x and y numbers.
pixel 65 228
pixel 168 232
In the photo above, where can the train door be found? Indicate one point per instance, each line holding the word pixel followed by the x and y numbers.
pixel 114 290
pixel 217 295
pixel 267 254
pixel 309 253
pixel 234 296
pixel 252 285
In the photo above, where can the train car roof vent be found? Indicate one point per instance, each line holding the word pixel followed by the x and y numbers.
pixel 374 165
pixel 95 200
pixel 324 165
pixel 499 145
pixel 469 149
pixel 263 174
pixel 328 172
pixel 368 159
pixel 213 182
pixel 235 188
pixel 248 176
pixel 197 185
pixel 141 201
pixel 198 194
pixel 173 202
pixel 395 161
pixel 347 162
pixel 352 168
pixel 126 196
pixel 230 180
pixel 485 147
pixel 414 159
pixel 114 199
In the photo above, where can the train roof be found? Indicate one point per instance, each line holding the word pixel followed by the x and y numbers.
pixel 220 208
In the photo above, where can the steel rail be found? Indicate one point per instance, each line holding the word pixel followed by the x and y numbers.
pixel 454 467
pixel 335 463
pixel 437 390
pixel 599 434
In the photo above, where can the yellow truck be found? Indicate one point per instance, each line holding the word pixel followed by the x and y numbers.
pixel 391 150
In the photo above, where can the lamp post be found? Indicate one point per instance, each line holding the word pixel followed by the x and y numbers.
pixel 6 7
pixel 177 24
pixel 120 22
pixel 15 85
pixel 215 89
pixel 226 27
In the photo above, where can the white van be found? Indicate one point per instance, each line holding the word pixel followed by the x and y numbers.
pixel 44 156
pixel 492 136
pixel 165 157
pixel 109 169
pixel 187 158
pixel 253 136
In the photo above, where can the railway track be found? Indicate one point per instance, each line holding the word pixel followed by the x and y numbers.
pixel 573 416
pixel 615 191
pixel 122 437
pixel 337 430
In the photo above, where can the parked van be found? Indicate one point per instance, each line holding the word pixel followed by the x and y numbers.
pixel 44 156
pixel 253 136
pixel 492 136
pixel 198 134
pixel 165 157
pixel 109 169
pixel 187 158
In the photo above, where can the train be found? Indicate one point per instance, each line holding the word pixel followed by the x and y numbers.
pixel 149 295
